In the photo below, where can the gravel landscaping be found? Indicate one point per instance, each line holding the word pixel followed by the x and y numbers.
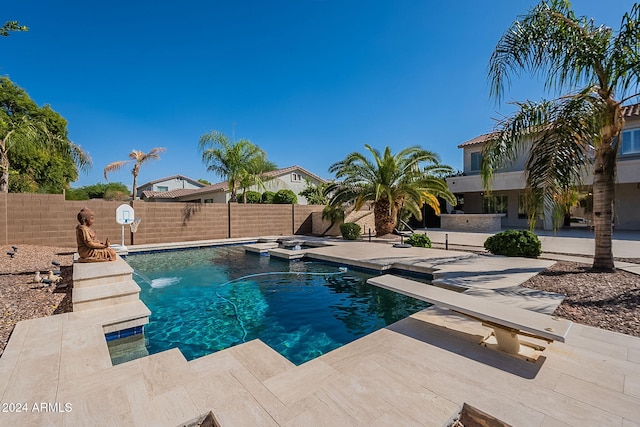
pixel 605 300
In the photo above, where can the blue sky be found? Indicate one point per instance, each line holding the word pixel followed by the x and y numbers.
pixel 308 81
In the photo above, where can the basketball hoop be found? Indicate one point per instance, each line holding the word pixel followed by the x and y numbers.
pixel 134 225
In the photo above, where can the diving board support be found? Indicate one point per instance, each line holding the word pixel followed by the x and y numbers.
pixel 507 322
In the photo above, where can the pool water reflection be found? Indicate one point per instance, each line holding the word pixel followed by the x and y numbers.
pixel 206 300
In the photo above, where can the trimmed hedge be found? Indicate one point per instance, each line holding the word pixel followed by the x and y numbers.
pixel 285 197
pixel 252 197
pixel 522 243
pixel 267 197
pixel 350 231
pixel 419 240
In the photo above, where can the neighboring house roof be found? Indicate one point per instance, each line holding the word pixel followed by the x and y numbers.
pixel 181 192
pixel 220 186
pixel 172 194
pixel 168 178
pixel 290 169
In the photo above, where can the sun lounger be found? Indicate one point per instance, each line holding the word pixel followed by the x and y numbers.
pixel 507 321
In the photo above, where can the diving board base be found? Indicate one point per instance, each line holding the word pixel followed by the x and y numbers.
pixel 508 342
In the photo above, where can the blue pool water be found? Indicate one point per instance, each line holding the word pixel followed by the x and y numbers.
pixel 206 300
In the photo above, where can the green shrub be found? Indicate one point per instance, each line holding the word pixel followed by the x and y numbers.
pixel 116 195
pixel 76 194
pixel 22 183
pixel 521 243
pixel 267 197
pixel 252 197
pixel 285 197
pixel 350 231
pixel 419 240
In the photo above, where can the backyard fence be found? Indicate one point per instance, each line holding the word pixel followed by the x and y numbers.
pixel 49 220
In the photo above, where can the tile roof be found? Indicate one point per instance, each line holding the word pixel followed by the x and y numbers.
pixel 631 110
pixel 627 111
pixel 148 194
pixel 477 140
pixel 181 192
pixel 292 169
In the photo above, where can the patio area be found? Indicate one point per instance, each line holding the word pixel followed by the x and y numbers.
pixel 418 371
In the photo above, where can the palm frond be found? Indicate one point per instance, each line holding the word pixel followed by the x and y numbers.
pixel 111 167
pixel 552 41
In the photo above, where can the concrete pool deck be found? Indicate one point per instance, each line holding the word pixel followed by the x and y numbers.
pixel 418 371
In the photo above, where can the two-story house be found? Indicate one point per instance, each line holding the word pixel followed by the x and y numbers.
pixel 507 189
pixel 293 178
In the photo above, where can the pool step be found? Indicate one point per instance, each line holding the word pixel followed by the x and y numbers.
pixel 100 273
pixel 107 293
pixel 288 254
pixel 85 298
pixel 261 248
pixel 116 317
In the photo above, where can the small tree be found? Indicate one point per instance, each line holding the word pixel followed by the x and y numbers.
pixel 315 194
pixel 334 214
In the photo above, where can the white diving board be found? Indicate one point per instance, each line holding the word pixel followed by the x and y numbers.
pixel 507 321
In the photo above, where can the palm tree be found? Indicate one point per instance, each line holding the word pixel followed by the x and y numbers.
pixel 139 158
pixel 578 131
pixel 238 162
pixel 390 182
pixel 254 174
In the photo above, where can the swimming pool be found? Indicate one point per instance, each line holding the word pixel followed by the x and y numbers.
pixel 206 300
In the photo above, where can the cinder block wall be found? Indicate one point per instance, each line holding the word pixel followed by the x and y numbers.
pixel 261 220
pixel 302 218
pixel 48 219
pixel 180 222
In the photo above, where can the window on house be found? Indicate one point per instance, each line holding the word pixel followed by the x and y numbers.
pixel 495 204
pixel 296 177
pixel 476 161
pixel 522 207
pixel 630 142
pixel 162 188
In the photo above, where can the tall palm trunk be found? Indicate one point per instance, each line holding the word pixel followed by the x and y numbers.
pixel 384 218
pixel 135 172
pixel 604 175
pixel 603 193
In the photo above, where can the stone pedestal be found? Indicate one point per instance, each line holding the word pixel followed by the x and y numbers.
pixel 471 222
